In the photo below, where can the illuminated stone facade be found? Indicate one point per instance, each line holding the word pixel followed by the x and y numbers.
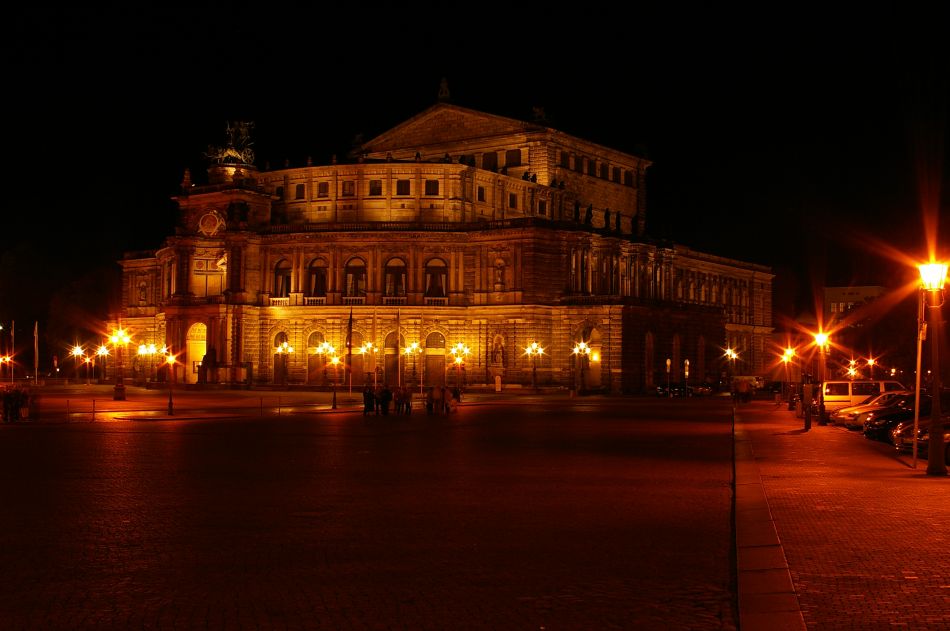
pixel 454 227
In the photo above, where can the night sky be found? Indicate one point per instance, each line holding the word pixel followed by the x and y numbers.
pixel 809 143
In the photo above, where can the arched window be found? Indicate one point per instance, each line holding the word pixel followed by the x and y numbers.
pixel 436 277
pixel 317 278
pixel 282 279
pixel 354 278
pixel 279 339
pixel 435 340
pixel 394 278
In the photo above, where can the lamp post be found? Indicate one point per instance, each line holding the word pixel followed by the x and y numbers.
pixel 669 367
pixel 369 349
pixel 119 337
pixel 147 351
pixel 933 276
pixel 534 350
pixel 325 350
pixel 77 352
pixel 787 357
pixel 170 361
pixel 871 364
pixel 821 341
pixel 284 350
pixel 581 352
pixel 732 355
pixel 459 352
pixel 335 360
pixel 102 352
pixel 411 350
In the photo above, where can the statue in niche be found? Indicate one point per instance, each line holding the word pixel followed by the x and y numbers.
pixel 589 215
pixel 577 211
pixel 606 219
pixel 498 355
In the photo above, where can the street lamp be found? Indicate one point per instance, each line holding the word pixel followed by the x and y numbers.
pixel 459 352
pixel 933 276
pixel 119 337
pixel 284 349
pixel 335 360
pixel 787 357
pixel 367 349
pixel 412 349
pixel 871 363
pixel 733 356
pixel 147 351
pixel 102 352
pixel 325 350
pixel 581 352
pixel 77 352
pixel 534 351
pixel 821 341
pixel 170 361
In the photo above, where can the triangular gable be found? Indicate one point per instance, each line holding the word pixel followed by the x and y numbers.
pixel 445 123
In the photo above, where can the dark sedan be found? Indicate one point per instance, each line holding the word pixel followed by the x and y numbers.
pixel 879 423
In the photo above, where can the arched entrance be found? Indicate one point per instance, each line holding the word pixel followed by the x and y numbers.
pixel 196 345
pixel 595 360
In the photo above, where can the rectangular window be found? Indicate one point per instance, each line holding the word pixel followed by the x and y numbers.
pixel 279 192
pixel 579 164
pixel 323 189
pixel 481 193
pixel 605 171
pixel 512 200
pixel 513 158
pixel 349 188
pixel 375 188
pixel 402 187
pixel 432 187
pixel 542 208
pixel 628 178
pixel 300 192
pixel 616 177
pixel 565 160
pixel 592 168
pixel 490 161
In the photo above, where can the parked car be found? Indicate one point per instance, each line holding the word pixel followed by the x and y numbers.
pixel 853 416
pixel 879 423
pixel 902 436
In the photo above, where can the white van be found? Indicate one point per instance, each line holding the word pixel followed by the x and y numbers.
pixel 840 394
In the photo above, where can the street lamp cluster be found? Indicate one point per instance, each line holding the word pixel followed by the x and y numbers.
pixel 459 352
pixel 581 353
pixel 534 351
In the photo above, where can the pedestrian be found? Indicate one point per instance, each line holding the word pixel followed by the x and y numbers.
pixel 387 397
pixel 369 400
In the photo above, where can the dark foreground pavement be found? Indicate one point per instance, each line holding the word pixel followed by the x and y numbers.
pixel 537 512
pixel 863 537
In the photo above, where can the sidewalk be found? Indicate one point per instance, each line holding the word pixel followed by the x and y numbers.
pixel 834 531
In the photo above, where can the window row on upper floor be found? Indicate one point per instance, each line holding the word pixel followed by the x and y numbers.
pixel 318 278
pixel 372 188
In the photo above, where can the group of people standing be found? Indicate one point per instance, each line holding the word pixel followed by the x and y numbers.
pixel 437 399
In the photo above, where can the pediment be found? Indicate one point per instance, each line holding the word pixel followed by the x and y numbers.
pixel 445 123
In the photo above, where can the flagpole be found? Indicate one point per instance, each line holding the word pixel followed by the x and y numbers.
pixel 398 353
pixel 36 352
pixel 349 350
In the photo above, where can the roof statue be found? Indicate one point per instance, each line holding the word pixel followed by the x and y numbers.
pixel 444 95
pixel 238 149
